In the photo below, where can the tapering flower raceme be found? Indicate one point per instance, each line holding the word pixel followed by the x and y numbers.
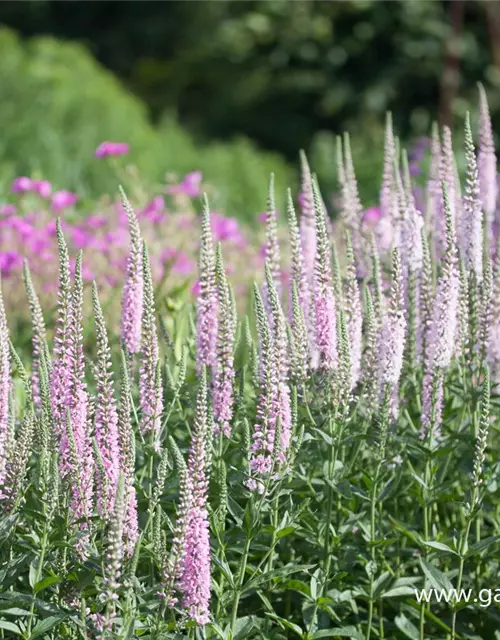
pixel 324 355
pixel 369 374
pixel 448 176
pixel 433 190
pixel 494 325
pixel 16 462
pixel 39 340
pixel 486 160
pixel 280 354
pixel 391 338
pixel 485 308
pixel 388 171
pixel 272 244
pixel 307 218
pixel 376 280
pixel 61 370
pixel 425 298
pixel 150 392
pixel 298 267
pixel 471 228
pixel 411 229
pixel 133 289
pixel 442 329
pixel 194 580
pixel 353 315
pixel 113 565
pixel 206 304
pixel 299 333
pixel 4 387
pixel 263 437
pixel 127 459
pixel 78 408
pixel 223 394
pixel 351 205
pixel 106 415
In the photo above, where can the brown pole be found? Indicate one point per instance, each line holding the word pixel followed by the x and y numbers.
pixel 450 79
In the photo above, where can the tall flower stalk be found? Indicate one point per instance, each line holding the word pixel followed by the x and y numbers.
pixel 487 161
pixel 133 289
pixel 206 304
pixel 194 582
pixel 4 388
pixel 106 415
pixel 223 394
pixel 150 394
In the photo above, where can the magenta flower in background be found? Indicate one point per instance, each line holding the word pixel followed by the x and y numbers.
pixel 106 149
pixel 190 186
pixel 225 228
pixel 371 216
pixel 22 185
pixel 95 222
pixel 154 211
pixel 7 210
pixel 42 187
pixel 63 199
pixel 9 261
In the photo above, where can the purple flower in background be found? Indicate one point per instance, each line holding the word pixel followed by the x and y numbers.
pixel 154 210
pixel 9 260
pixel 225 228
pixel 371 216
pixel 95 222
pixel 63 199
pixel 42 187
pixel 7 210
pixel 22 185
pixel 190 186
pixel 106 149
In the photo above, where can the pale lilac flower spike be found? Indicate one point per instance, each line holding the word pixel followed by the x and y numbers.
pixel 77 408
pixel 471 228
pixel 223 397
pixel 106 416
pixel 388 171
pixel 391 339
pixel 133 289
pixel 434 190
pixel 272 245
pixel 38 330
pixel 307 219
pixel 194 580
pixel 150 388
pixel 447 175
pixel 325 355
pixel 298 267
pixel 442 329
pixel 353 314
pixel 206 304
pixel 486 159
pixel 4 387
pixel 280 354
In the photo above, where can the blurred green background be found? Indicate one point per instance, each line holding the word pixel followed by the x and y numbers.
pixel 233 88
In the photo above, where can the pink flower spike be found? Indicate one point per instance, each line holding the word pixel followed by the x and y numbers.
pixel 42 187
pixel 22 185
pixel 63 199
pixel 106 149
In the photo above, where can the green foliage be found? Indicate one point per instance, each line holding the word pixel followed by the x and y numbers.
pixel 57 104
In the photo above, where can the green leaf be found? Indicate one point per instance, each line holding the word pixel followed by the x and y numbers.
pixel 437 578
pixel 396 592
pixel 45 625
pixel 10 626
pixel 344 632
pixel 46 582
pixel 407 627
pixel 286 623
pixel 439 545
pixel 482 544
pixel 33 573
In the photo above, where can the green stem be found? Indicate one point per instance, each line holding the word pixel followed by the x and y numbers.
pixel 241 579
